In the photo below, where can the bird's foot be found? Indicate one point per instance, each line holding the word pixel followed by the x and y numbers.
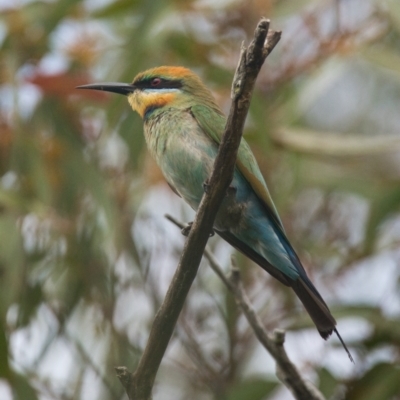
pixel 231 191
pixel 206 186
pixel 185 231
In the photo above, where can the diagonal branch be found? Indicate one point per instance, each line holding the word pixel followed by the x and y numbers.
pixel 286 371
pixel 139 384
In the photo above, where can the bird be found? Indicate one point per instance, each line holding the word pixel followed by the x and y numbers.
pixel 183 127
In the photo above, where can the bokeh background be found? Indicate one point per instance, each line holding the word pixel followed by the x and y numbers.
pixel 86 254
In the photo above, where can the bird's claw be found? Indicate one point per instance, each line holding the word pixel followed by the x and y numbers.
pixel 231 191
pixel 185 231
pixel 206 186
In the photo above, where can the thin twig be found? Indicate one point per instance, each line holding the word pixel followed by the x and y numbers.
pixel 139 384
pixel 286 371
pixel 88 360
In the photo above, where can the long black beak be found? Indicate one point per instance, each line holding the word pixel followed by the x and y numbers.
pixel 121 88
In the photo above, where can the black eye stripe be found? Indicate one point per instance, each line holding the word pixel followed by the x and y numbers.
pixel 164 84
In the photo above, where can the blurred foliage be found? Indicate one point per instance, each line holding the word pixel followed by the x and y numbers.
pixel 85 255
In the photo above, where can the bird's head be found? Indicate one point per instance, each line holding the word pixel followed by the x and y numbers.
pixel 161 87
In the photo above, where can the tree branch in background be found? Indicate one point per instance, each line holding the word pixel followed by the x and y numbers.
pixel 139 384
pixel 286 371
pixel 335 144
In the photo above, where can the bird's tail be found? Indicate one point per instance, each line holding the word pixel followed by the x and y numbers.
pixel 315 306
pixel 318 311
pixel 302 286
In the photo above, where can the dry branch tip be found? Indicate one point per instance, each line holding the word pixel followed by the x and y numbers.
pixel 279 337
pixel 124 376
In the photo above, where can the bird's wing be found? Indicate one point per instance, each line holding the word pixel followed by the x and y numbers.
pixel 213 124
pixel 253 255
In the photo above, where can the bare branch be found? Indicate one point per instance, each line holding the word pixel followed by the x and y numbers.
pixel 251 60
pixel 286 371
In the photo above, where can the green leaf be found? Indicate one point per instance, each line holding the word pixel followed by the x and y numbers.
pixel 383 57
pixel 327 383
pixel 381 382
pixel 254 389
pixel 386 204
pixel 394 13
pixel 287 7
pixel 4 366
pixel 116 9
pixel 32 296
pixel 23 389
pixel 131 130
pixel 11 262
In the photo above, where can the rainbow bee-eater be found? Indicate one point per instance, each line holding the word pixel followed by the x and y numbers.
pixel 183 126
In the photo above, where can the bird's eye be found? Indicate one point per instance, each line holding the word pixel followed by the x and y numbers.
pixel 155 82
